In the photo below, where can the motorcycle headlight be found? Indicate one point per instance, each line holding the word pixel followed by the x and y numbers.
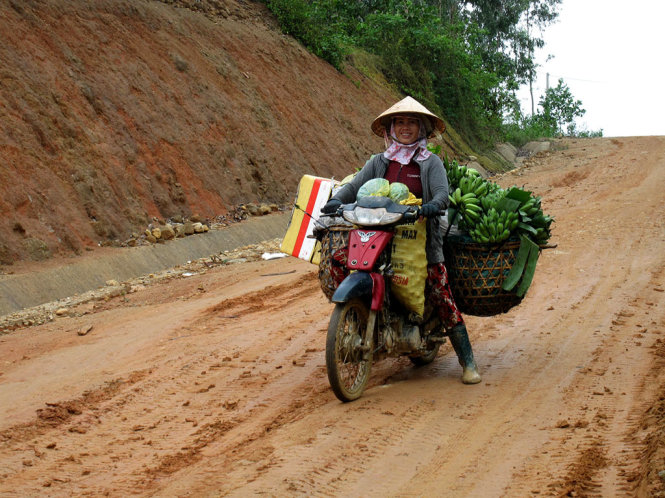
pixel 371 217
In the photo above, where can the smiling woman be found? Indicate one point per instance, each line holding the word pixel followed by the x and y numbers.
pixel 406 129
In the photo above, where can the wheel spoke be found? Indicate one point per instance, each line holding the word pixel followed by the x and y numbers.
pixel 348 367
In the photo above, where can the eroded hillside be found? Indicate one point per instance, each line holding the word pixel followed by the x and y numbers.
pixel 115 112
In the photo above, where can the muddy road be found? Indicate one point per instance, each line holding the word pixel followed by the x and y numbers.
pixel 215 384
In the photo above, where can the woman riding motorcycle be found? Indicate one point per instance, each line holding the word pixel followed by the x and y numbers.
pixel 405 128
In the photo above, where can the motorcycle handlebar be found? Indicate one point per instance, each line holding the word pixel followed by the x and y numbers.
pixel 408 216
pixel 412 215
pixel 440 213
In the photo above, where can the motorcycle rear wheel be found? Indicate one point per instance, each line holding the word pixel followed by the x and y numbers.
pixel 427 358
pixel 348 361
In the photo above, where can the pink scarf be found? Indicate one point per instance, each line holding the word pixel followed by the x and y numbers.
pixel 402 153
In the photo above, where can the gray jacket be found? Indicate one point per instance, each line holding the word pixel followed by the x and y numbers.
pixel 435 190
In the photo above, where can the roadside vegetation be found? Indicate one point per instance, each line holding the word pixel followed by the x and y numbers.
pixel 464 59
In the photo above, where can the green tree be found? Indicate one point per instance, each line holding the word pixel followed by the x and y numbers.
pixel 560 107
pixel 462 58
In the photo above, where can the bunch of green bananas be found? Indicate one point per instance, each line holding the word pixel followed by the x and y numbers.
pixel 492 199
pixel 455 172
pixel 466 198
pixel 491 214
pixel 541 222
pixel 534 222
pixel 494 226
pixel 468 206
pixel 531 207
pixel 476 185
pixel 542 235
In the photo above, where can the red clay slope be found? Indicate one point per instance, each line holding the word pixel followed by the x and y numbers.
pixel 115 112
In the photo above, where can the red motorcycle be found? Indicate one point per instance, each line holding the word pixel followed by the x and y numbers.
pixel 368 322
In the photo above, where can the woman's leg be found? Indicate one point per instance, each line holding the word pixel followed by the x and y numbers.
pixel 439 295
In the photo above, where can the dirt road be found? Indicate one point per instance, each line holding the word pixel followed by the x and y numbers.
pixel 215 384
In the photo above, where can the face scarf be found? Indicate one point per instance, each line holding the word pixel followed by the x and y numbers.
pixel 396 151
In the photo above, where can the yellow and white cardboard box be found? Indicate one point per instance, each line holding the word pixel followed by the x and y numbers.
pixel 313 193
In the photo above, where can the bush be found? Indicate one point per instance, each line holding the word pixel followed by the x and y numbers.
pixel 309 24
pixel 527 129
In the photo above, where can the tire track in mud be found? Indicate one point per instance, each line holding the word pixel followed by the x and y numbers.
pixel 235 399
pixel 648 480
pixel 595 447
pixel 303 287
pixel 183 381
pixel 38 448
pixel 59 413
pixel 276 365
pixel 348 460
pixel 266 422
pixel 578 445
pixel 266 425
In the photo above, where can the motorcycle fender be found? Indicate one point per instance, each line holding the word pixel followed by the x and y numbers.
pixel 356 285
pixel 370 286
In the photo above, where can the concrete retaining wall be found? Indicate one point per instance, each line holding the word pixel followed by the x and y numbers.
pixel 27 290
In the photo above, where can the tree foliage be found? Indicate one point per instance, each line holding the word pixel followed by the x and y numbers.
pixel 465 59
pixel 558 110
pixel 560 107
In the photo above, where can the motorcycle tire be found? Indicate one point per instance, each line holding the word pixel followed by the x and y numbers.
pixel 427 358
pixel 348 361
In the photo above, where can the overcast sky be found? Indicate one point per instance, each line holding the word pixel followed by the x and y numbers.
pixel 611 55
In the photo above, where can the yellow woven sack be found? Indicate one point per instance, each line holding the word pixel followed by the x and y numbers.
pixel 409 260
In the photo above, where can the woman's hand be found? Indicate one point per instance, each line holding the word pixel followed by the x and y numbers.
pixel 331 206
pixel 429 209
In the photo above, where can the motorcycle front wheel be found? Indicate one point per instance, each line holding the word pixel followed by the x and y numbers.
pixel 348 359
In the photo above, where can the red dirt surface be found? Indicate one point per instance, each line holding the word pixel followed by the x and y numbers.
pixel 113 113
pixel 215 384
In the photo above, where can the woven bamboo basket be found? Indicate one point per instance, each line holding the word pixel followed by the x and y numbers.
pixel 476 273
pixel 331 270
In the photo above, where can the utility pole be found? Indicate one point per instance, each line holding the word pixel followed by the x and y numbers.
pixel 547 82
pixel 531 92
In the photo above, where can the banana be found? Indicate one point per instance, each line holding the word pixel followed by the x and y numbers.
pixel 528 204
pixel 481 190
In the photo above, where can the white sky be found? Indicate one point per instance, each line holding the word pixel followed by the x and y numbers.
pixel 611 55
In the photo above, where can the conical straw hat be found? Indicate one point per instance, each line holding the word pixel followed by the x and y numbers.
pixel 408 106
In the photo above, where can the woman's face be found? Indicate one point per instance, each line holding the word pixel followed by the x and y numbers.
pixel 406 129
